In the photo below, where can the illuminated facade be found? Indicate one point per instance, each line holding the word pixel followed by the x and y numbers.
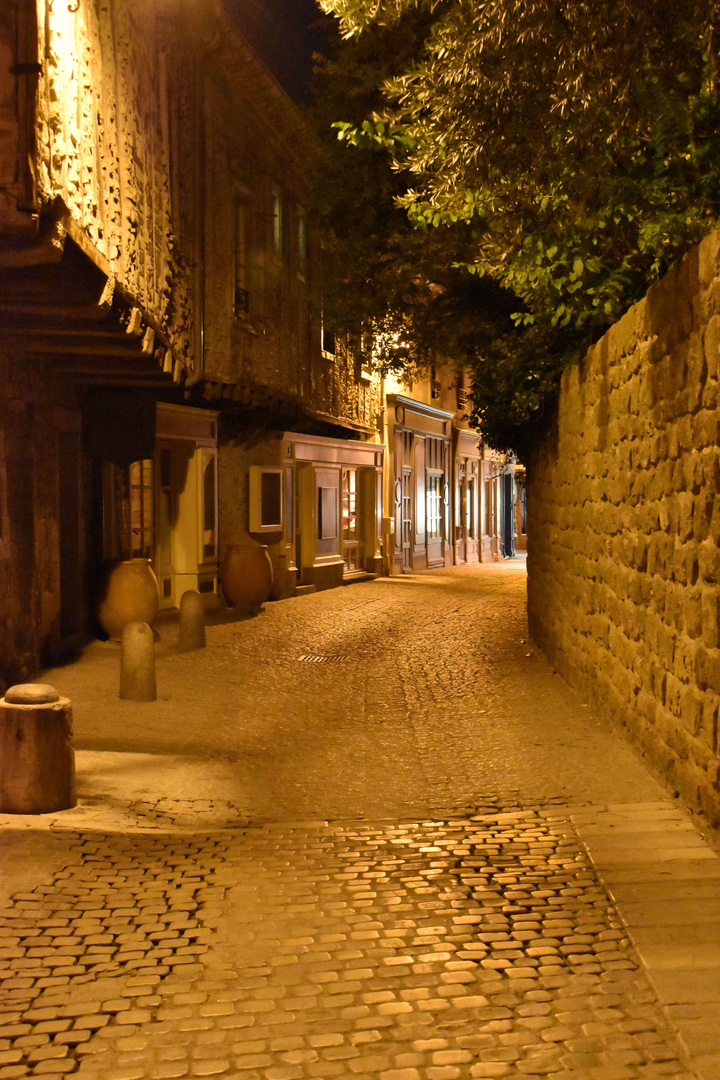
pixel 157 288
pixel 166 385
pixel 444 487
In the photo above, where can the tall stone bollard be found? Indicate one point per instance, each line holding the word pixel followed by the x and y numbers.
pixel 37 760
pixel 192 621
pixel 137 663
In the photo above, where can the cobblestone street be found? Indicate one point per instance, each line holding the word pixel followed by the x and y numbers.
pixel 368 834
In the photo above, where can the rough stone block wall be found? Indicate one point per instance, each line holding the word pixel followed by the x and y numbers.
pixel 109 96
pixel 29 512
pixel 624 526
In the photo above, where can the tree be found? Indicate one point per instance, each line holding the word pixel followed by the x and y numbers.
pixel 576 142
pixel 393 280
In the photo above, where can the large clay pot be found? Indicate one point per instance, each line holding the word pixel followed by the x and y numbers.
pixel 247 574
pixel 131 595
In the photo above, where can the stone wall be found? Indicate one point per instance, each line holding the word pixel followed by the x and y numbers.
pixel 110 130
pixel 100 137
pixel 35 413
pixel 624 521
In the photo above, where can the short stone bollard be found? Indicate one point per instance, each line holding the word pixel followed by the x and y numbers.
pixel 192 621
pixel 137 663
pixel 37 760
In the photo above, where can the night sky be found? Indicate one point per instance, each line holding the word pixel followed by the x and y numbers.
pixel 284 34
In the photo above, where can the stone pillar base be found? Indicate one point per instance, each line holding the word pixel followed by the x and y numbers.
pixel 37 760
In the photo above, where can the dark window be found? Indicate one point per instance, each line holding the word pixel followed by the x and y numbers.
pixel 328 341
pixel 270 499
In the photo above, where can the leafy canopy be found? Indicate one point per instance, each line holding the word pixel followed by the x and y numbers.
pixel 567 150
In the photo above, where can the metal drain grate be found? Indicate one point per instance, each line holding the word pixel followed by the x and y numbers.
pixel 311 658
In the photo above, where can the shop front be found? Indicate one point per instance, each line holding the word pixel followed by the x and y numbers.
pixel 185 482
pixel 468 496
pixel 317 504
pixel 419 471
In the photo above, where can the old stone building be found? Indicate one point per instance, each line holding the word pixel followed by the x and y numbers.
pixel 88 336
pixel 444 488
pixel 160 313
pixel 167 383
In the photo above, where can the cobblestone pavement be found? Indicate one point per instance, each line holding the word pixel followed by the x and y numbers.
pixel 479 946
pixel 397 865
pixel 418 693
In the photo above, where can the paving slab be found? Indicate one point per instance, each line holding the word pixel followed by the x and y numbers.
pixel 666 884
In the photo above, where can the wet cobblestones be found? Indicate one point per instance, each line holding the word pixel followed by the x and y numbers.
pixel 475 946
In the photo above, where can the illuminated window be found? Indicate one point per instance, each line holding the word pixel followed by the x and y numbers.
pixel 434 506
pixel 470 509
pixel 353 547
pixel 489 507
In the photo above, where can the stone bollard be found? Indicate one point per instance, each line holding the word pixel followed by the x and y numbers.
pixel 37 760
pixel 192 621
pixel 137 663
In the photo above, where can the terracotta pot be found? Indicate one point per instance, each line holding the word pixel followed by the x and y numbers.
pixel 247 574
pixel 131 595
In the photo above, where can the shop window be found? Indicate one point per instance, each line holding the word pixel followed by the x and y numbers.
pixel 289 507
pixel 488 508
pixel 352 526
pixel 470 509
pixel 209 506
pixel 164 517
pixel 434 506
pixel 266 503
pixel 141 510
